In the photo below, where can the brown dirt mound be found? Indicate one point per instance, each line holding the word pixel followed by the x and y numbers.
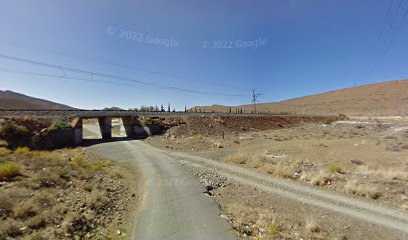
pixel 220 125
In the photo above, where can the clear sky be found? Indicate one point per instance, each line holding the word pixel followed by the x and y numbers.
pixel 191 52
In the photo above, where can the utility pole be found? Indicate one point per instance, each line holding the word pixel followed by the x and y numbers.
pixel 254 100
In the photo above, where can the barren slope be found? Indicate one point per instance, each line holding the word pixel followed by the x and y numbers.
pixel 12 100
pixel 379 99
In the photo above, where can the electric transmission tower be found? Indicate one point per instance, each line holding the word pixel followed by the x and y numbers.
pixel 255 99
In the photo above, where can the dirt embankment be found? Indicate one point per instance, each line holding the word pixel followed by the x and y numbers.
pixel 64 194
pixel 217 125
pixel 35 133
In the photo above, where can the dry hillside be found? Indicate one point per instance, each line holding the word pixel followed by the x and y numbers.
pixel 13 100
pixel 379 99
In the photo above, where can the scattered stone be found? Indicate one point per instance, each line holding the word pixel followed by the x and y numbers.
pixel 246 230
pixel 225 216
pixel 356 162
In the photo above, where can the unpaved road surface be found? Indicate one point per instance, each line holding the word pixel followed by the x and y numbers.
pixel 371 213
pixel 174 204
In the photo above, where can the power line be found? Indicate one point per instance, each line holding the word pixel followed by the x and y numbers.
pixel 119 78
pixel 255 97
pixel 398 27
pixel 87 58
pixel 389 32
pixel 74 78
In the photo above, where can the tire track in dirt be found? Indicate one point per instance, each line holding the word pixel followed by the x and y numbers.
pixel 335 202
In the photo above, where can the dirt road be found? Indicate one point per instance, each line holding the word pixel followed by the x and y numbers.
pixel 389 218
pixel 174 204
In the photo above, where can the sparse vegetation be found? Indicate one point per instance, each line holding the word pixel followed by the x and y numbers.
pixel 353 186
pixel 11 128
pixel 240 158
pixel 59 124
pixel 58 188
pixel 311 225
pixel 144 108
pixel 145 120
pixel 8 169
pixel 4 151
pixel 257 222
pixel 334 168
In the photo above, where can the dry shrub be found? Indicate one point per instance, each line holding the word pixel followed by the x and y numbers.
pixel 269 168
pixel 13 129
pixel 49 178
pixel 272 228
pixel 284 169
pixel 8 170
pixel 10 229
pixel 365 190
pixel 4 151
pixel 217 145
pixel 389 174
pixel 257 163
pixel 317 179
pixel 5 204
pixel 3 143
pixel 240 158
pixel 261 222
pixel 334 168
pixel 22 151
pixel 281 169
pixel 93 165
pixel 311 225
pixel 24 210
pixel 45 200
pixel 37 222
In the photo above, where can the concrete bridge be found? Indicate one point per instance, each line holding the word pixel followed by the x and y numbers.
pixel 133 125
pixel 132 121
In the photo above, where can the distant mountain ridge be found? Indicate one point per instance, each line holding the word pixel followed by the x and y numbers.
pixel 13 100
pixel 377 99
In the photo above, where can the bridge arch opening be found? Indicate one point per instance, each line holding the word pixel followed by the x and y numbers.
pixel 118 129
pixel 91 129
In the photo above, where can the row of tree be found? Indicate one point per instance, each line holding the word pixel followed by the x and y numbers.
pixel 235 110
pixel 145 108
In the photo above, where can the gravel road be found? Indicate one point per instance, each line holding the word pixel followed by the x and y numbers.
pixel 174 203
pixel 373 214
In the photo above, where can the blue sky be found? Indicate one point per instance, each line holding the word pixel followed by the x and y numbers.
pixel 308 46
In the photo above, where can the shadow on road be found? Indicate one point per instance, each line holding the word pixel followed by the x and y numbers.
pixel 91 142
